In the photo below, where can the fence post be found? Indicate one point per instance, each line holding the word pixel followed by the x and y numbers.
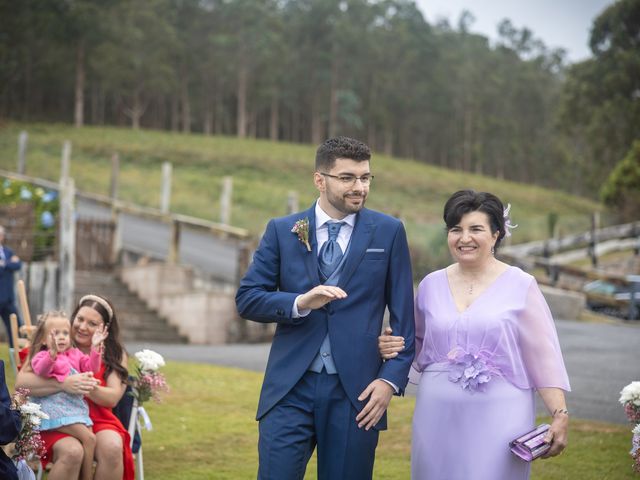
pixel 22 151
pixel 67 244
pixel 634 284
pixel 595 220
pixel 165 195
pixel 225 200
pixel 116 247
pixel 65 164
pixel 115 176
pixel 174 245
pixel 292 202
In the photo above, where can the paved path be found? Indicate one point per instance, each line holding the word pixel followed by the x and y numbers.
pixel 601 360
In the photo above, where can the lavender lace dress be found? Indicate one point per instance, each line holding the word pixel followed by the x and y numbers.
pixel 477 372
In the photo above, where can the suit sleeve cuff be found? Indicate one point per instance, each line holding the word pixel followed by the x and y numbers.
pixel 295 313
pixel 393 385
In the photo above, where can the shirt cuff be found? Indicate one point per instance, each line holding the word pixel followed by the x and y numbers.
pixel 295 313
pixel 393 385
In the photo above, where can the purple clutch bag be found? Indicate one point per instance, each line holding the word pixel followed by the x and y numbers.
pixel 531 445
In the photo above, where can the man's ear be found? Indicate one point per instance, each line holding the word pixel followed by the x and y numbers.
pixel 318 181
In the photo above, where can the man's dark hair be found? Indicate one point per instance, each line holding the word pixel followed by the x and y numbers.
pixel 340 147
pixel 467 201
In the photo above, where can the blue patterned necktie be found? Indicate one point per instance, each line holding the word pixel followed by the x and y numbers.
pixel 330 253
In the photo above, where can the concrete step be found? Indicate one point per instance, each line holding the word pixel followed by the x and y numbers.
pixel 138 323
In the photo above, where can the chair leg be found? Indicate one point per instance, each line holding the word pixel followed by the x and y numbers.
pixel 139 465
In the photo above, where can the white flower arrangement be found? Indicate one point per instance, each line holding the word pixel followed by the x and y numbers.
pixel 148 382
pixel 149 361
pixel 631 394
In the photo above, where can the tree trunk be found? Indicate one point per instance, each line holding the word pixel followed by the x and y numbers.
pixel 186 105
pixel 466 142
pixel 80 78
pixel 252 126
pixel 316 123
pixel 218 109
pixel 274 119
pixel 333 99
pixel 241 119
pixel 175 113
pixel 388 142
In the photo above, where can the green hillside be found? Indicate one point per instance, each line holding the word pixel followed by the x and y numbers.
pixel 263 174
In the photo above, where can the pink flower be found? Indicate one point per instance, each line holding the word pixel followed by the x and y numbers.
pixel 301 228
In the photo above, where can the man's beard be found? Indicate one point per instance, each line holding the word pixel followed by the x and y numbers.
pixel 342 203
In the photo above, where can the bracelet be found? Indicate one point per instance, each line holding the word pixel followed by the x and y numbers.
pixel 559 410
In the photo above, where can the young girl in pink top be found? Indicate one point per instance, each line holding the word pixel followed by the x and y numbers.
pixel 52 356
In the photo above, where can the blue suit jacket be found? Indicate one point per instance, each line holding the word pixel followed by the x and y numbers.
pixel 376 274
pixel 6 276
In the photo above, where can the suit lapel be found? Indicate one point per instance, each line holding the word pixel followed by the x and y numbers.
pixel 360 240
pixel 311 257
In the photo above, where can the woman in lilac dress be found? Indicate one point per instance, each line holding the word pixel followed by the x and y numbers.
pixel 485 342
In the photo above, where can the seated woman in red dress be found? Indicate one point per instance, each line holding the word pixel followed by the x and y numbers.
pixel 113 453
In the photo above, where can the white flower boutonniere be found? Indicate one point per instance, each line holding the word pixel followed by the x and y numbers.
pixel 301 228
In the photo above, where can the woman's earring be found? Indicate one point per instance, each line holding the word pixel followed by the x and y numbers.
pixel 493 250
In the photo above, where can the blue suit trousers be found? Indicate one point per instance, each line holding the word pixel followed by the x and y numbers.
pixel 316 412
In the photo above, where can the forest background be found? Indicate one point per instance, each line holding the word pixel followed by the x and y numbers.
pixel 303 70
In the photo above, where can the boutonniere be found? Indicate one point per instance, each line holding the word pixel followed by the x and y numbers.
pixel 301 228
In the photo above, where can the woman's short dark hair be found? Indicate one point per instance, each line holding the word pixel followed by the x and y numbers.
pixel 341 147
pixel 466 201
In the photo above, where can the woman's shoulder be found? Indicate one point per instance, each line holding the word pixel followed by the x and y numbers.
pixel 433 277
pixel 519 275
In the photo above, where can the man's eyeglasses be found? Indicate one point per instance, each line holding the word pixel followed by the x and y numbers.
pixel 350 180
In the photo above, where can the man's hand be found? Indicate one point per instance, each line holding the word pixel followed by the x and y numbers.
pixel 319 296
pixel 379 393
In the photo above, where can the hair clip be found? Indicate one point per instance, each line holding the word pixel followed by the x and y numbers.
pixel 508 226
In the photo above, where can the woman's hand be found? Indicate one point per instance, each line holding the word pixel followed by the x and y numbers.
pixel 80 383
pixel 557 434
pixel 99 336
pixel 388 345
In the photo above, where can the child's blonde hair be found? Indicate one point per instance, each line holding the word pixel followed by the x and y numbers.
pixel 38 341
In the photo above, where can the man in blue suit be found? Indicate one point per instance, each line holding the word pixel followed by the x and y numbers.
pixel 326 276
pixel 9 263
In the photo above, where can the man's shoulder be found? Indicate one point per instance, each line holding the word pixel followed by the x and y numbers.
pixel 380 218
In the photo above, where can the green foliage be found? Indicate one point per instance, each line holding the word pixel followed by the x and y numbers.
pixel 45 206
pixel 622 189
pixel 600 105
pixel 297 71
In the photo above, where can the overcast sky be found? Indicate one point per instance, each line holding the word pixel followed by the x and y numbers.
pixel 558 23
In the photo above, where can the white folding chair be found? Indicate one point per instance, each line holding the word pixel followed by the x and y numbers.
pixel 138 411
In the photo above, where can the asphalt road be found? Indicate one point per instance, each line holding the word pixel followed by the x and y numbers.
pixel 600 358
pixel 151 237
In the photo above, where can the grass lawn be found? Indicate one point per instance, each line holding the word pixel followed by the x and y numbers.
pixel 205 429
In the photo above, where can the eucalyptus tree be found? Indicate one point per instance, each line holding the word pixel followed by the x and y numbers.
pixel 601 97
pixel 134 58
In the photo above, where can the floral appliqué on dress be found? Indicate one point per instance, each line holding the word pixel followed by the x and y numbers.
pixel 471 370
